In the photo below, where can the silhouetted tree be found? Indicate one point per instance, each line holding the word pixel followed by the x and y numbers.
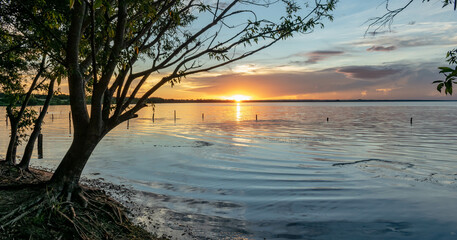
pixel 26 157
pixel 23 65
pixel 17 60
pixel 101 43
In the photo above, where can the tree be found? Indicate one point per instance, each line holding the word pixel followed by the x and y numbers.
pixel 14 62
pixel 450 73
pixel 104 41
pixel 23 117
pixel 26 157
pixel 21 59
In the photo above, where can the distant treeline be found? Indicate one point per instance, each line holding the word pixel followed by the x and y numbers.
pixel 39 100
pixel 63 99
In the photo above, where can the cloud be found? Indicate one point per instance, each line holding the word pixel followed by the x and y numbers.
pixel 419 42
pixel 367 72
pixel 316 56
pixel 392 81
pixel 374 33
pixel 384 90
pixel 403 41
pixel 246 68
pixel 279 84
pixel 412 35
pixel 381 48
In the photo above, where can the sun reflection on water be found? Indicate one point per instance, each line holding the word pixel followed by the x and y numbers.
pixel 238 112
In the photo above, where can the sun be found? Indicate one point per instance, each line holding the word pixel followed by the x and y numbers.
pixel 238 98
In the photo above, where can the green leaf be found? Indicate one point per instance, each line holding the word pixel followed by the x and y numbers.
pixel 72 2
pixel 445 69
pixel 439 87
pixel 453 74
pixel 448 85
pixel 438 81
pixel 98 3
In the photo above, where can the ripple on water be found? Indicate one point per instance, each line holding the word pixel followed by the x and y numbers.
pixel 365 174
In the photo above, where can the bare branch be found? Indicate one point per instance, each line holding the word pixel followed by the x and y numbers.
pixel 385 20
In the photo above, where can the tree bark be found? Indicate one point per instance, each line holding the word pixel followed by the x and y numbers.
pixel 11 151
pixel 25 162
pixel 67 175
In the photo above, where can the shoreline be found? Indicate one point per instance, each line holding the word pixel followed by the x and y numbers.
pixel 18 188
pixel 161 100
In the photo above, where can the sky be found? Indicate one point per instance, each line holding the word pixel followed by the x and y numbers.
pixel 340 61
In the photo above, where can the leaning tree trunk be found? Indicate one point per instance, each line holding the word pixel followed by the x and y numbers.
pixel 88 130
pixel 67 175
pixel 11 151
pixel 25 162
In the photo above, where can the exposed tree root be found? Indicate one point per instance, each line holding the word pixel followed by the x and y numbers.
pixel 41 212
pixel 12 176
pixel 22 210
pixel 22 215
pixel 103 218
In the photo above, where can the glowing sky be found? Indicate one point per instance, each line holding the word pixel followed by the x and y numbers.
pixel 339 62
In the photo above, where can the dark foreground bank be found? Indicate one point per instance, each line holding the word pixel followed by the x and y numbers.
pixel 29 211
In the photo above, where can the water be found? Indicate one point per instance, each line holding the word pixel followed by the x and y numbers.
pixel 367 173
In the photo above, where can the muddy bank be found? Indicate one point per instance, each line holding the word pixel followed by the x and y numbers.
pixel 30 210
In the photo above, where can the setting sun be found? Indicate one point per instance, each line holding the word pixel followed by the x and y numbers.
pixel 238 98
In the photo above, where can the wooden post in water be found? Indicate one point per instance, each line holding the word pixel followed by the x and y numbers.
pixel 40 146
pixel 256 117
pixel 411 121
pixel 128 123
pixel 327 119
pixel 175 116
pixel 69 121
pixel 52 117
pixel 153 112
pixel 203 117
pixel 6 120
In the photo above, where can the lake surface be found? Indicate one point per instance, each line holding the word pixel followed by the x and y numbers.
pixel 367 173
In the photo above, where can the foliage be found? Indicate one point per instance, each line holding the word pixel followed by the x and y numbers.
pixel 447 2
pixel 25 123
pixel 112 50
pixel 449 73
pixel 387 19
pixel 16 61
pixel 161 32
pixel 24 64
